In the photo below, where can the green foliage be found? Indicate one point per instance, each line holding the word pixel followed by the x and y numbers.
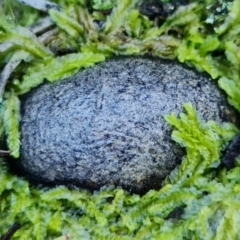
pixel 207 194
pixel 11 123
pixel 90 27
pixel 197 50
pixel 208 202
pixel 102 4
pixel 232 20
pixel 21 38
pixel 116 18
pixel 203 142
pixel 1 119
pixel 134 24
pixel 183 16
pixel 68 24
pixel 18 13
pixel 199 46
pixel 55 69
pixel 232 85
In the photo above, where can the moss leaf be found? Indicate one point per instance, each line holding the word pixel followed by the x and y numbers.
pixel 54 69
pixel 11 123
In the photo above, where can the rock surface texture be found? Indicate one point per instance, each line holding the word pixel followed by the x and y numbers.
pixel 105 125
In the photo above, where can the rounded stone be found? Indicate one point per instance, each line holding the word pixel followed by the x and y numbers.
pixel 105 125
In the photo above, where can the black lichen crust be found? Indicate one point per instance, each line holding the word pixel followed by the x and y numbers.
pixel 105 125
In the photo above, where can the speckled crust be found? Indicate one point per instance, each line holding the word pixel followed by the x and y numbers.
pixel 105 125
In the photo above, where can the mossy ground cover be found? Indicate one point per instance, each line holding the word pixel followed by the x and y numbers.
pixel 202 34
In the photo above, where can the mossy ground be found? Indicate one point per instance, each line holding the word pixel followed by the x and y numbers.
pixel 84 35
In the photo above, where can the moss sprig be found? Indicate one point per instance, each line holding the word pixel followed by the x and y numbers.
pixel 11 120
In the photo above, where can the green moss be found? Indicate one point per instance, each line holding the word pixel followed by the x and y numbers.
pixel 207 194
pixel 113 213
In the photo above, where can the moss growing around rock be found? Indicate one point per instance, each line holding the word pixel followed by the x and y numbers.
pixel 105 125
pixel 82 34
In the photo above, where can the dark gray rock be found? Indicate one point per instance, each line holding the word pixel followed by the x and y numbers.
pixel 105 125
pixel 232 154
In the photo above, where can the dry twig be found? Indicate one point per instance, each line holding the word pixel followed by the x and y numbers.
pixel 11 231
pixel 41 5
